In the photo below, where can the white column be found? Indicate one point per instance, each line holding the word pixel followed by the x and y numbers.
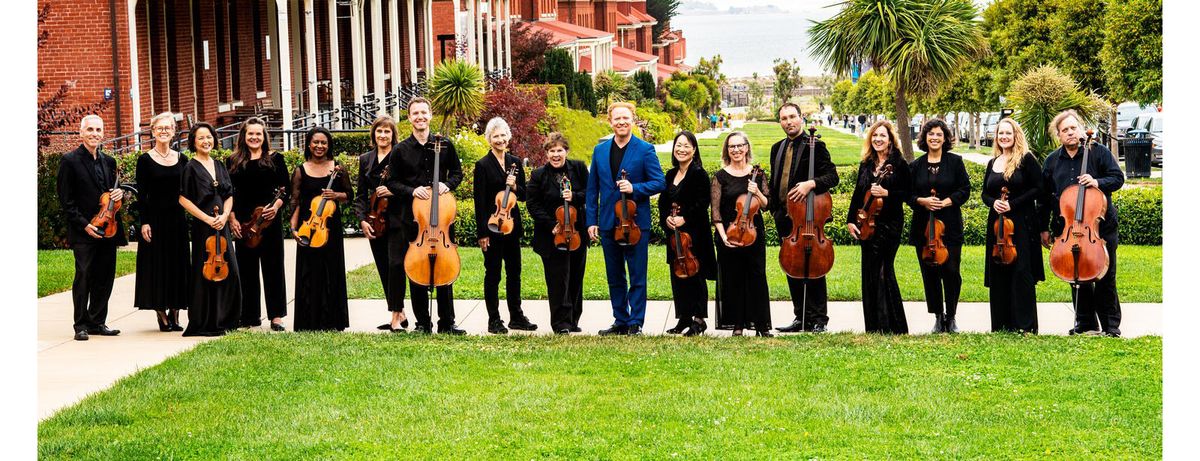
pixel 429 37
pixel 470 36
pixel 412 43
pixel 310 50
pixel 479 33
pixel 285 63
pixel 393 11
pixel 356 50
pixel 377 52
pixel 489 26
pixel 508 35
pixel 335 61
pixel 135 95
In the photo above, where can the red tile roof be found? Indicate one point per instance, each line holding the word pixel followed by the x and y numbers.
pixel 625 20
pixel 642 17
pixel 633 55
pixel 564 28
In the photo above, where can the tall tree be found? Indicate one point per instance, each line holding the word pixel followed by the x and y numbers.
pixel 662 11
pixel 787 79
pixel 711 68
pixel 1132 51
pixel 1040 95
pixel 644 83
pixel 919 44
pixel 529 49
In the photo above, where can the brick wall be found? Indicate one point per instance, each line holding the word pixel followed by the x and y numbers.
pixel 80 48
pixel 443 24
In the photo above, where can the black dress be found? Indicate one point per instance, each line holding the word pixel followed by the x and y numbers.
pixel 163 279
pixel 948 177
pixel 320 272
pixel 563 269
pixel 743 300
pixel 1012 288
pixel 692 195
pixel 883 307
pixel 216 306
pixel 254 184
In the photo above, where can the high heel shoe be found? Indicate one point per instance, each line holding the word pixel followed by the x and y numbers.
pixel 765 334
pixel 698 327
pixel 679 327
pixel 164 322
pixel 174 320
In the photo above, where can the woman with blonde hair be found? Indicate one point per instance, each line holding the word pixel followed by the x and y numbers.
pixel 742 294
pixel 1011 287
pixel 883 308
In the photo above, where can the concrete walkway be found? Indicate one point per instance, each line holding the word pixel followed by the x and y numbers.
pixel 70 370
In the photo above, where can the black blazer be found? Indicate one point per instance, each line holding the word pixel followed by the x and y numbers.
pixel 369 173
pixel 952 182
pixel 898 186
pixel 79 191
pixel 411 166
pixel 544 198
pixel 692 195
pixel 490 177
pixel 826 176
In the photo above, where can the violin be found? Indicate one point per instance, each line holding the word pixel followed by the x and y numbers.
pixel 377 216
pixel 501 220
pixel 105 220
pixel 566 237
pixel 685 263
pixel 742 231
pixel 1079 254
pixel 934 253
pixel 215 266
pixel 807 253
pixel 871 207
pixel 252 230
pixel 627 231
pixel 314 232
pixel 1003 251
pixel 432 259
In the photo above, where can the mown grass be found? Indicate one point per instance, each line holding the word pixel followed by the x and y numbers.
pixel 364 396
pixel 843 148
pixel 56 269
pixel 1139 276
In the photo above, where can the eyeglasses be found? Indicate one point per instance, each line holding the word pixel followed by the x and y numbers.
pixel 163 129
pixel 738 146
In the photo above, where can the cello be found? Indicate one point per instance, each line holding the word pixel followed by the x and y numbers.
pixel 934 253
pixel 566 237
pixel 685 263
pixel 627 232
pixel 1079 254
pixel 871 207
pixel 807 253
pixel 215 268
pixel 377 217
pixel 1003 251
pixel 742 231
pixel 501 220
pixel 432 258
pixel 252 230
pixel 314 232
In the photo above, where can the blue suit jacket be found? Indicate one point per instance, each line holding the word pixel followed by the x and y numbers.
pixel 602 194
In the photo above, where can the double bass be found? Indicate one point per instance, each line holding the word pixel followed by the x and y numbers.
pixel 627 232
pixel 742 231
pixel 566 237
pixel 1003 251
pixel 216 268
pixel 807 253
pixel 871 207
pixel 432 258
pixel 252 230
pixel 501 220
pixel 685 263
pixel 934 253
pixel 315 232
pixel 377 217
pixel 1079 254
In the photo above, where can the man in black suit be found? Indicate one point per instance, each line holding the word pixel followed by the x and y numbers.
pixel 83 175
pixel 790 181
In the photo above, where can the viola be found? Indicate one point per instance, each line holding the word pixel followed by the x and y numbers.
pixel 806 253
pixel 432 259
pixel 566 237
pixel 1079 254
pixel 252 230
pixel 315 232
pixel 377 217
pixel 871 207
pixel 934 253
pixel 215 268
pixel 685 263
pixel 741 231
pixel 1003 251
pixel 105 220
pixel 501 220
pixel 627 231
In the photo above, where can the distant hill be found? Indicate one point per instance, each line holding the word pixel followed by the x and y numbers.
pixel 699 7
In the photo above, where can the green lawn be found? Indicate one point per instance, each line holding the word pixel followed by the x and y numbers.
pixel 1139 280
pixel 841 396
pixel 56 269
pixel 843 148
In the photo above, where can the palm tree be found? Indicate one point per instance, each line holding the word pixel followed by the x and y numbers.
pixel 920 44
pixel 456 90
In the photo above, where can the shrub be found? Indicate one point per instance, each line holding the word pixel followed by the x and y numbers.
pixel 583 94
pixel 644 82
pixel 659 128
pixel 523 109
pixel 581 129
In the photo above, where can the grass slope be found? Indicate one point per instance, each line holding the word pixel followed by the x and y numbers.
pixel 360 396
pixel 56 269
pixel 1140 277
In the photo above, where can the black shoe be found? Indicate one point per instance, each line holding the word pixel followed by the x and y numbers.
pixel 795 327
pixel 951 325
pixel 679 327
pixel 496 326
pixel 404 323
pixel 614 330
pixel 1114 333
pixel 697 328
pixel 164 322
pixel 173 320
pixel 277 327
pixel 634 330
pixel 81 335
pixel 939 323
pixel 576 329
pixel 765 334
pixel 1080 331
pixel 451 330
pixel 819 328
pixel 104 330
pixel 520 322
pixel 424 329
pixel 563 331
pixel 386 326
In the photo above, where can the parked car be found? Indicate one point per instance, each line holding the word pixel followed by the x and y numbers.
pixel 964 126
pixel 988 128
pixel 1126 112
pixel 1156 136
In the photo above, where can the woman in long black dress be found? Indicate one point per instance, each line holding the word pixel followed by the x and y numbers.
pixel 163 280
pixel 563 269
pixel 204 185
pixel 320 272
pixel 743 298
pixel 1012 288
pixel 371 166
pixel 883 308
pixel 688 188
pixel 944 172
pixel 257 174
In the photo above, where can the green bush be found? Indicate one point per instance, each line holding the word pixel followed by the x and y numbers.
pixel 659 126
pixel 1140 216
pixel 582 130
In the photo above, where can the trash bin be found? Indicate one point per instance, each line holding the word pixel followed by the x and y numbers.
pixel 1136 146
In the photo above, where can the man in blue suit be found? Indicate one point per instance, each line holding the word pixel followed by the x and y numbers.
pixel 605 186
